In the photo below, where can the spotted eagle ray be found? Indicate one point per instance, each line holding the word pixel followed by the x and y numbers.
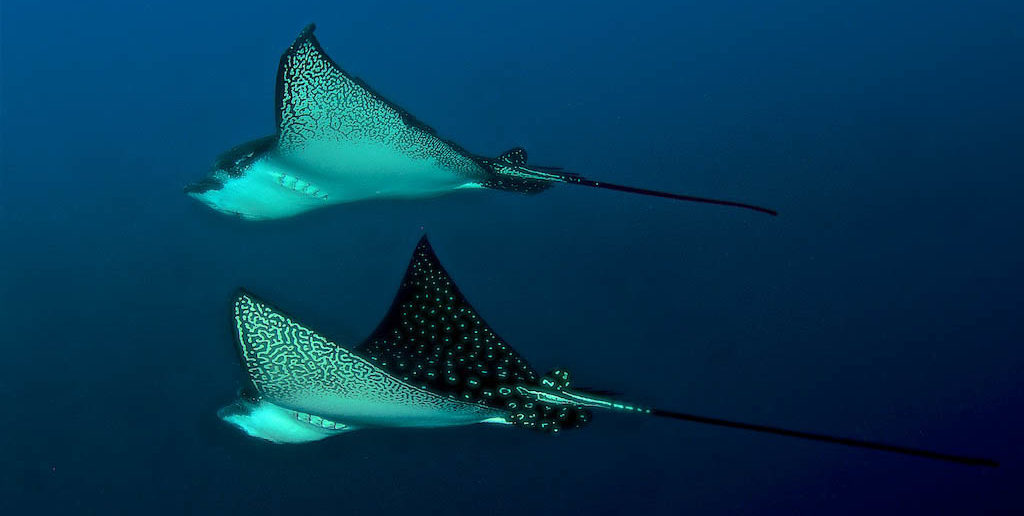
pixel 338 141
pixel 431 362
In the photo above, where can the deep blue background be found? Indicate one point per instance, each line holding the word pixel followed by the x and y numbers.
pixel 883 303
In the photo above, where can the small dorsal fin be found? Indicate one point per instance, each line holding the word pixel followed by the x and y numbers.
pixel 557 379
pixel 514 156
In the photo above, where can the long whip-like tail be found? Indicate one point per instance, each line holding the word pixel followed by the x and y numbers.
pixel 575 180
pixel 555 389
pixel 512 173
pixel 845 441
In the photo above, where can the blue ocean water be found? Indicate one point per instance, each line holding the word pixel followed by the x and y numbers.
pixel 883 303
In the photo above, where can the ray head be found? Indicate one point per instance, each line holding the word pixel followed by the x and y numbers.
pixel 252 182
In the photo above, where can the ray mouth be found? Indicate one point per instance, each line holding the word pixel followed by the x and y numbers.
pixel 204 185
pixel 207 195
pixel 240 407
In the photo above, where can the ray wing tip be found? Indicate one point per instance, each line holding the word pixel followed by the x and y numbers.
pixel 306 34
pixel 242 293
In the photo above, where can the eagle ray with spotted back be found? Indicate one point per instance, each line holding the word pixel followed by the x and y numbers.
pixel 338 141
pixel 431 362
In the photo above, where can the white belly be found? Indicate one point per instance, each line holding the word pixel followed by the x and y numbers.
pixel 278 424
pixel 278 186
pixel 370 170
pixel 396 410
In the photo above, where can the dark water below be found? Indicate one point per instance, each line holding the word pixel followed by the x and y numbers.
pixel 883 303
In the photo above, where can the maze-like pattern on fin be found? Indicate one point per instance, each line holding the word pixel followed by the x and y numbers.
pixel 433 337
pixel 318 101
pixel 292 365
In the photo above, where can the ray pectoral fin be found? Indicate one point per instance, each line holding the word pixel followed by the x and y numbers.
pixel 433 337
pixel 320 106
pixel 856 443
pixel 307 387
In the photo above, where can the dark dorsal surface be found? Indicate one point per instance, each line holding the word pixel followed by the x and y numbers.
pixel 432 337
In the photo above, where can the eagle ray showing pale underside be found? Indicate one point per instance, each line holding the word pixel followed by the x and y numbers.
pixel 338 141
pixel 431 362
